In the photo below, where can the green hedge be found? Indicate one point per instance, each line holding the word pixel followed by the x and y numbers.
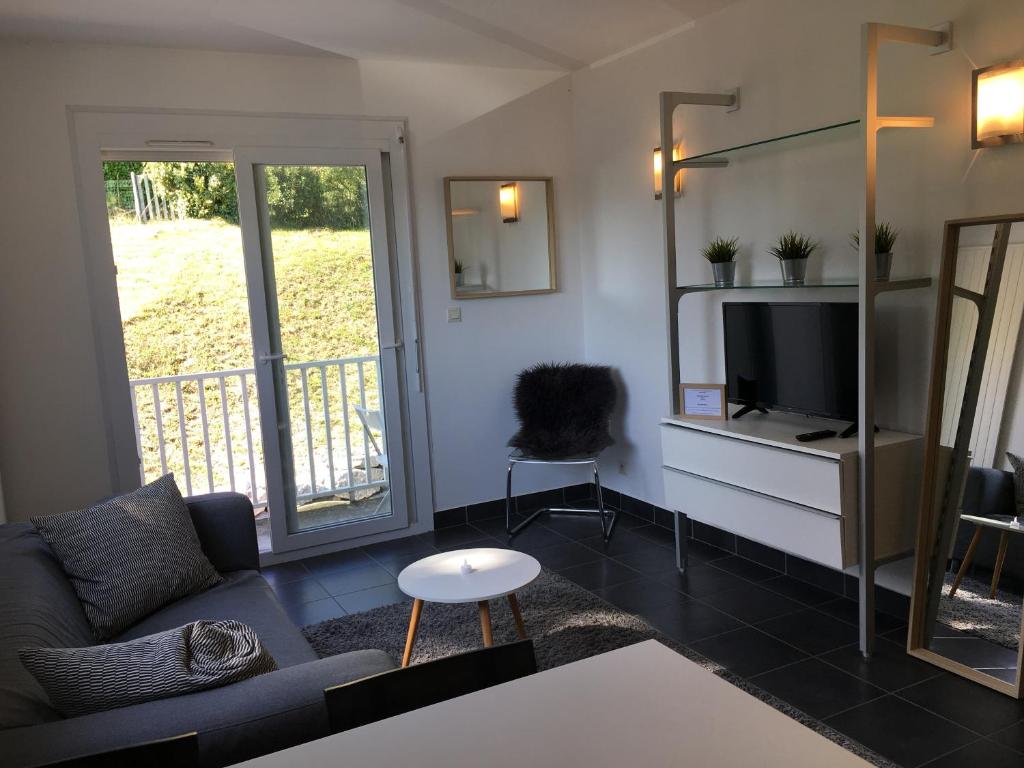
pixel 297 196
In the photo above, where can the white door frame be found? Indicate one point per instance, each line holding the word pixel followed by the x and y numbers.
pixel 102 133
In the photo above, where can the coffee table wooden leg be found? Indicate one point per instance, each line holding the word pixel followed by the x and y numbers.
pixel 1004 541
pixel 414 622
pixel 968 556
pixel 485 622
pixel 514 605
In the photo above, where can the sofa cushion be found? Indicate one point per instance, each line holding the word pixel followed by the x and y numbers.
pixel 38 607
pixel 243 596
pixel 130 555
pixel 195 657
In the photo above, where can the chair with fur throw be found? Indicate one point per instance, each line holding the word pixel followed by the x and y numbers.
pixel 563 411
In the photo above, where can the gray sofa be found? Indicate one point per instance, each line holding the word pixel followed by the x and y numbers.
pixel 38 607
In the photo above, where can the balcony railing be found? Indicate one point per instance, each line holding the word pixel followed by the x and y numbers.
pixel 205 428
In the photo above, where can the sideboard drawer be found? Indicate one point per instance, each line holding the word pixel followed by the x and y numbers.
pixel 807 533
pixel 804 478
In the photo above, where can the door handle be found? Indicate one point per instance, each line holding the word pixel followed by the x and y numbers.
pixel 396 345
pixel 269 358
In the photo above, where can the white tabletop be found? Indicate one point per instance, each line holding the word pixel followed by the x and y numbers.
pixel 643 706
pixel 995 522
pixel 495 573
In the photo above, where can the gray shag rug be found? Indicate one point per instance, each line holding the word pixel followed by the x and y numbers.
pixel 566 623
pixel 971 610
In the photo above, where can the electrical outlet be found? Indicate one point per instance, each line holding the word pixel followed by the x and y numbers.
pixel 454 314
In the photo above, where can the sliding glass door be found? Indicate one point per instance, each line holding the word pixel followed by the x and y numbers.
pixel 327 341
pixel 252 282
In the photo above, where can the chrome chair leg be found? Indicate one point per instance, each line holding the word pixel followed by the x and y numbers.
pixel 607 517
pixel 508 499
pixel 606 528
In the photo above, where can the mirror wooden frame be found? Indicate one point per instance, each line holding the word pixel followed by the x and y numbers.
pixel 930 499
pixel 549 191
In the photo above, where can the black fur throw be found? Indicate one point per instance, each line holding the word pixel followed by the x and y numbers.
pixel 563 410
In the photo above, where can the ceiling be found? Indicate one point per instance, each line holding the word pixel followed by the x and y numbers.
pixel 531 34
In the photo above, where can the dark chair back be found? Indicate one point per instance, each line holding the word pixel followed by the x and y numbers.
pixel 364 701
pixel 175 752
pixel 563 410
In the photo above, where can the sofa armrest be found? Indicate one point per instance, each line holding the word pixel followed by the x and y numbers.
pixel 237 722
pixel 226 527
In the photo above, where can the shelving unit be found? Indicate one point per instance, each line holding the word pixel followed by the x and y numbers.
pixel 870 123
pixel 880 286
pixel 715 159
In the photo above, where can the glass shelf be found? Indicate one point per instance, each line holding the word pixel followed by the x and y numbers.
pixel 879 286
pixel 718 153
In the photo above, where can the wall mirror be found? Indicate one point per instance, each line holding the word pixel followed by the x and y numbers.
pixel 501 236
pixel 969 574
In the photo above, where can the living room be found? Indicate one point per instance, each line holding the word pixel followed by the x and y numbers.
pixel 256 251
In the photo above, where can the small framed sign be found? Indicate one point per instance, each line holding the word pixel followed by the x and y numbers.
pixel 703 401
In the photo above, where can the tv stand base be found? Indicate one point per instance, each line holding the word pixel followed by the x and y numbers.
pixel 852 430
pixel 748 409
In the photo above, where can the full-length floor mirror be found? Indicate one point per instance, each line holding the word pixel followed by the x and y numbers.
pixel 969 577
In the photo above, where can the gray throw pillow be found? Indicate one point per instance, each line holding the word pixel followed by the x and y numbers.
pixel 129 556
pixel 196 657
pixel 1018 481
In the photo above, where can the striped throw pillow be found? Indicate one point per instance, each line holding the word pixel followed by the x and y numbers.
pixel 198 656
pixel 129 556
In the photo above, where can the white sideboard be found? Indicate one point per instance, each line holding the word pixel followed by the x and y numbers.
pixel 752 477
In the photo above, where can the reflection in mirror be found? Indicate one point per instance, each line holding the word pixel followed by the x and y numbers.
pixel 969 587
pixel 500 236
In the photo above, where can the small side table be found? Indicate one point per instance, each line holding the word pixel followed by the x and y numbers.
pixel 467 576
pixel 1003 524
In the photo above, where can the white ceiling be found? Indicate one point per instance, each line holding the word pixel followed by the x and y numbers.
pixel 533 34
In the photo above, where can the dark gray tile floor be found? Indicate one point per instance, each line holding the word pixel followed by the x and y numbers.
pixel 792 639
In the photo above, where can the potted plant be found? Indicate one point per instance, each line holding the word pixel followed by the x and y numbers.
pixel 459 270
pixel 792 251
pixel 721 253
pixel 885 239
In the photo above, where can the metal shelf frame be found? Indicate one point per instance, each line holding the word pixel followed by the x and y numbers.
pixel 873 36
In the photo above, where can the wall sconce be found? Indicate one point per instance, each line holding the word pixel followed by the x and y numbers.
pixel 677 154
pixel 998 100
pixel 508 202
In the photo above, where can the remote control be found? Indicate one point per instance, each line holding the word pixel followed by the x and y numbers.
pixel 821 434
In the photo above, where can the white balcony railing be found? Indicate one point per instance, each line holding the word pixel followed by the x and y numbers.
pixel 205 428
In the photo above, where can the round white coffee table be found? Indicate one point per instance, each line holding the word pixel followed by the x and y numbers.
pixel 467 576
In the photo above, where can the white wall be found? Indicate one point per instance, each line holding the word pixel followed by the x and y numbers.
pixel 797 63
pixel 52 445
pixel 472 364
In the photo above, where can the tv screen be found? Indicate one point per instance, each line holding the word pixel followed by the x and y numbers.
pixel 793 357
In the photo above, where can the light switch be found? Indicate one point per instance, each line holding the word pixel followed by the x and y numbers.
pixel 454 314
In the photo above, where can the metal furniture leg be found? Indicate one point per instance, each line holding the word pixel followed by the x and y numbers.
pixel 508 499
pixel 682 543
pixel 608 517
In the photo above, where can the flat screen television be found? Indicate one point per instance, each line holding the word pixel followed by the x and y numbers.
pixel 799 357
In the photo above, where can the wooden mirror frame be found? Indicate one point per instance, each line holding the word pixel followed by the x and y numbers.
pixel 549 191
pixel 933 426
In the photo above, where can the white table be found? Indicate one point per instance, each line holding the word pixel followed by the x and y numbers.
pixel 467 576
pixel 640 706
pixel 1003 524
